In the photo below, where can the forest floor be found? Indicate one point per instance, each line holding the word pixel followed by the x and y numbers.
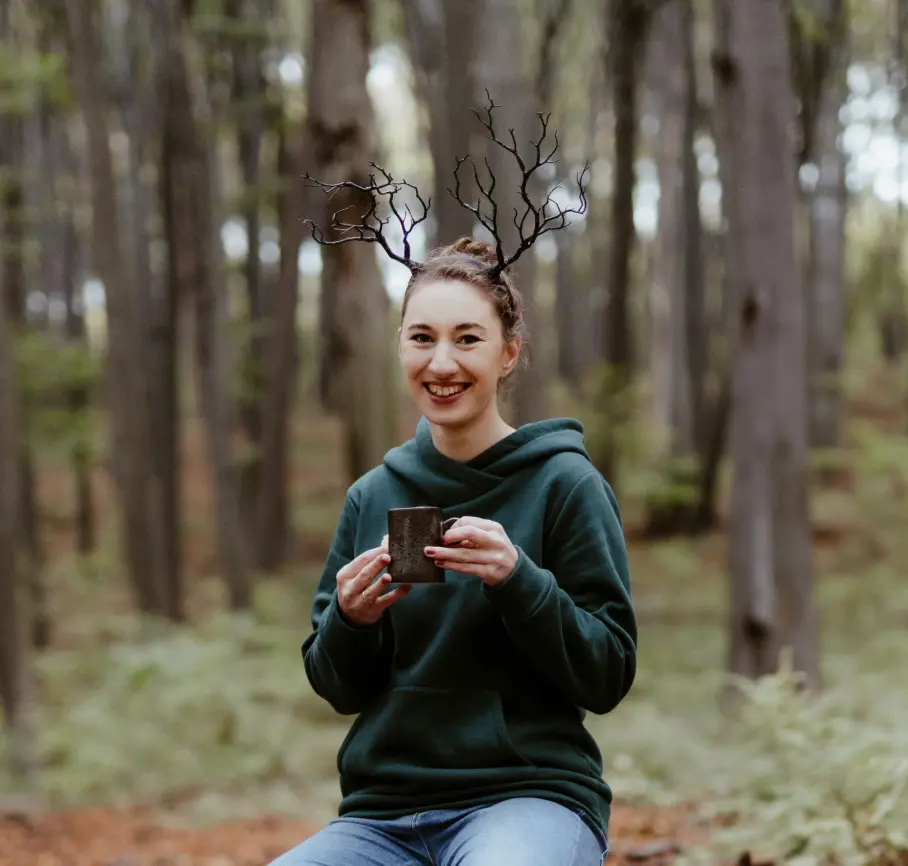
pixel 138 836
pixel 204 746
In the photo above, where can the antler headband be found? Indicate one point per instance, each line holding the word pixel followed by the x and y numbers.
pixel 531 224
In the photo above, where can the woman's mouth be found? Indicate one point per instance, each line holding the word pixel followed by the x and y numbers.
pixel 444 394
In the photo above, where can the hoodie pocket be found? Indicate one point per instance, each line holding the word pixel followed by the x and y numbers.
pixel 413 733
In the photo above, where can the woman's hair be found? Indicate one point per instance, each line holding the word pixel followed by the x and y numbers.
pixel 467 261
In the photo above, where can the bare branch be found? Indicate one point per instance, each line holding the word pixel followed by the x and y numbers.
pixel 531 220
pixel 535 220
pixel 371 227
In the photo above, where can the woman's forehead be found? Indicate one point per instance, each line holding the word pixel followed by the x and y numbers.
pixel 450 303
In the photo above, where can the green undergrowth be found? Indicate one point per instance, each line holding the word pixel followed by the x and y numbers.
pixel 221 712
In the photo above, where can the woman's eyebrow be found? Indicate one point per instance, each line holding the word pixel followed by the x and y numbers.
pixel 464 326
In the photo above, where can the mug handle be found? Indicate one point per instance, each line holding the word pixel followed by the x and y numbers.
pixel 446 525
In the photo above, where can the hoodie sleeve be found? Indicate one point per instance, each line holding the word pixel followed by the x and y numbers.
pixel 575 623
pixel 347 664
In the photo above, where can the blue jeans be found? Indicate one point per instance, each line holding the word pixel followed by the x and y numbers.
pixel 523 831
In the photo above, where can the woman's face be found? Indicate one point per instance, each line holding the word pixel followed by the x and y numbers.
pixel 453 352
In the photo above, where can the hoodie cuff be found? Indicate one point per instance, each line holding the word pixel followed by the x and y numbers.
pixel 341 636
pixel 523 591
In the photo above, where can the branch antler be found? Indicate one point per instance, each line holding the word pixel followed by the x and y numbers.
pixel 371 226
pixel 535 220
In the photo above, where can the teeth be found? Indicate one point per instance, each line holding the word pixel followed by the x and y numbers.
pixel 446 390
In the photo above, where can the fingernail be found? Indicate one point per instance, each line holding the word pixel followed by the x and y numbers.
pixel 385 557
pixel 430 551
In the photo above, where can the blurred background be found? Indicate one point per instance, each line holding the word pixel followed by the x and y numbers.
pixel 188 383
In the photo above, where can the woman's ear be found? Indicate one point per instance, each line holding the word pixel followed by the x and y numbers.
pixel 511 356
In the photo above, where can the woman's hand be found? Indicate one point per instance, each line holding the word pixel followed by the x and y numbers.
pixel 360 596
pixel 483 549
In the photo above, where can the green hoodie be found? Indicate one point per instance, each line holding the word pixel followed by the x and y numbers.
pixel 466 694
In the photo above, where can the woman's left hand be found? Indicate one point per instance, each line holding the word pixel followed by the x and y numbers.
pixel 483 549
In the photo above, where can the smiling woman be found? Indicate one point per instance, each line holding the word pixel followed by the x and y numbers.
pixel 461 335
pixel 469 748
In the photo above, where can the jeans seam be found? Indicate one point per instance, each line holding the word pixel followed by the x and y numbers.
pixel 580 824
pixel 422 839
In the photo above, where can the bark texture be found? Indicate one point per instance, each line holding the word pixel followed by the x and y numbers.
pixel 272 513
pixel 190 224
pixel 678 320
pixel 826 270
pixel 770 539
pixel 442 35
pixel 626 22
pixel 127 383
pixel 501 71
pixel 341 132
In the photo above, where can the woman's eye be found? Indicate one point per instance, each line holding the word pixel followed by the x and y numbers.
pixel 470 339
pixel 420 338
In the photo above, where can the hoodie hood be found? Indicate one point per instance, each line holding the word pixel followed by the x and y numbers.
pixel 445 482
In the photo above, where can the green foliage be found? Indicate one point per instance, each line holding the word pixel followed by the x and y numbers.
pixel 249 371
pixel 677 484
pixel 612 424
pixel 806 780
pixel 50 370
pixel 26 74
pixel 208 706
pixel 824 783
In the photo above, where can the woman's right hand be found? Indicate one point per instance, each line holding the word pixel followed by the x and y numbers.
pixel 360 596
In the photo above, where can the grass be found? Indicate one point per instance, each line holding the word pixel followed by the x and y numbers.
pixel 217 720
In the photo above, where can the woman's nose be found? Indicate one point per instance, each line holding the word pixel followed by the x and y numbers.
pixel 442 360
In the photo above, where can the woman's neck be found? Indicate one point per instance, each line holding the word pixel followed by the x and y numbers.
pixel 465 443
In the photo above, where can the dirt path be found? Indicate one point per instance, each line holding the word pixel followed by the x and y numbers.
pixel 132 837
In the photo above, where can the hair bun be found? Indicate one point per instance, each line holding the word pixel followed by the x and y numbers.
pixel 468 246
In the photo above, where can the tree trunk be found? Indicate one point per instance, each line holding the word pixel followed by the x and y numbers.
pixel 165 344
pixel 156 298
pixel 133 94
pixel 691 428
pixel 51 251
pixel 626 27
pixel 272 526
pixel 568 366
pixel 341 131
pixel 248 93
pixel 17 280
pixel 567 304
pixel 677 243
pixel 13 670
pixel 164 361
pixel 442 37
pixel 127 385
pixel 13 653
pixel 140 115
pixel 770 538
pixel 501 72
pixel 191 234
pixel 78 397
pixel 62 267
pixel 827 211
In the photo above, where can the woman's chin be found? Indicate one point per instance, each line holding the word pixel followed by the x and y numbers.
pixel 459 414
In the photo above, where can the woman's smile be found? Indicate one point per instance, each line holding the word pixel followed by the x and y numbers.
pixel 445 393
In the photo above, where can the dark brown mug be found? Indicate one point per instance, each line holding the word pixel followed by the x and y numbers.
pixel 410 531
